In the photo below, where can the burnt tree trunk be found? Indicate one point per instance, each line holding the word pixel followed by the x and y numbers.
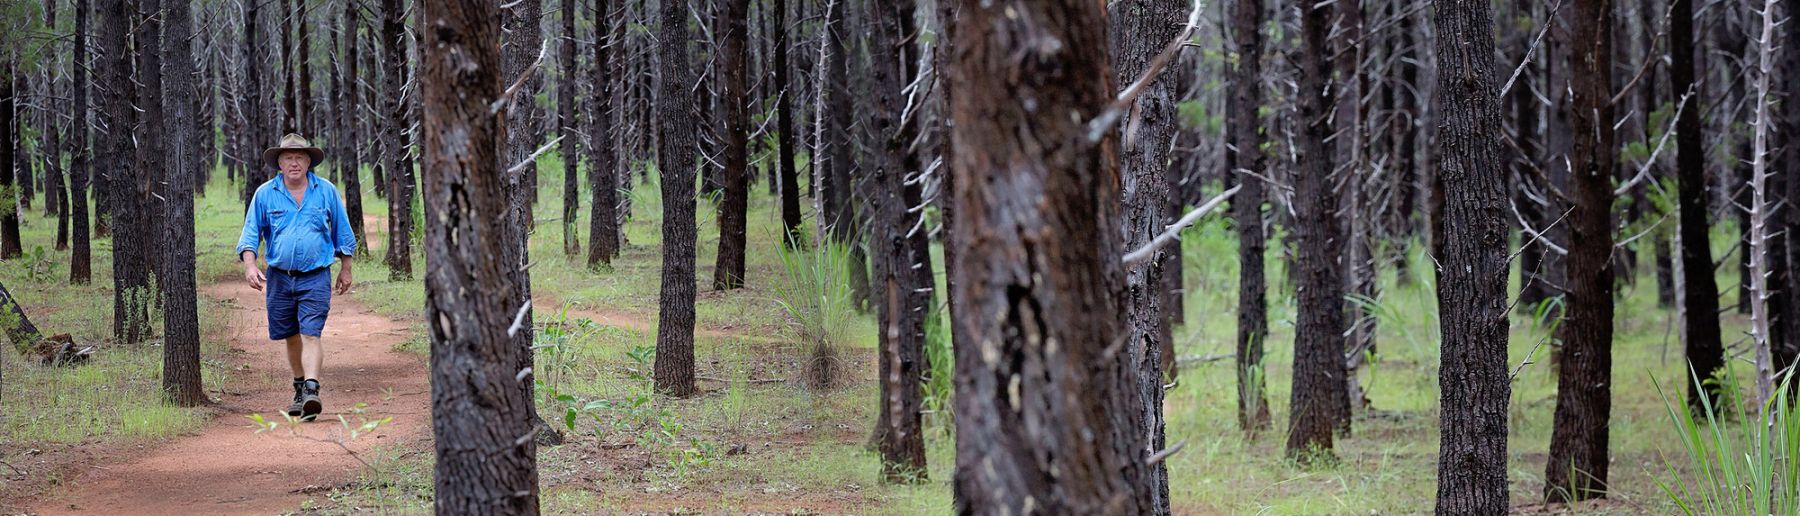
pixel 784 126
pixel 519 51
pixel 394 144
pixel 354 138
pixel 603 221
pixel 289 121
pixel 1700 302
pixel 565 115
pixel 1245 158
pixel 1320 403
pixel 901 273
pixel 674 372
pixel 840 217
pixel 1139 32
pixel 80 252
pixel 479 410
pixel 254 116
pixel 1471 288
pixel 23 334
pixel 733 31
pixel 181 304
pixel 1038 273
pixel 55 194
pixel 9 123
pixel 1577 469
pixel 130 268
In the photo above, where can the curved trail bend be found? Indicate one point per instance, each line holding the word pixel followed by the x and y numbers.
pixel 228 468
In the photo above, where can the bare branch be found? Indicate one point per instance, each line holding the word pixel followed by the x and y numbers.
pixel 1127 97
pixel 1144 253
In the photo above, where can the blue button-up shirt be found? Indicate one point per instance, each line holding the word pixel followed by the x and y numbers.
pixel 300 237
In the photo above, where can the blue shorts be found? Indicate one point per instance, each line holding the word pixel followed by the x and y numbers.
pixel 298 302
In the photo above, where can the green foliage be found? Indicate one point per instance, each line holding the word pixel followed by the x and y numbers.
pixel 1195 116
pixel 1751 469
pixel 814 290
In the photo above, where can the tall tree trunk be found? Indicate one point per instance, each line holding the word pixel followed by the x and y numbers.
pixel 1139 32
pixel 181 316
pixel 289 113
pixel 902 276
pixel 80 253
pixel 1577 469
pixel 478 408
pixel 9 156
pixel 1320 403
pixel 603 222
pixel 1471 289
pixel 394 144
pixel 1039 271
pixel 1244 157
pixel 784 125
pixel 733 30
pixel 1759 246
pixel 565 114
pixel 1700 300
pixel 254 116
pixel 519 51
pixel 55 194
pixel 303 112
pixel 674 372
pixel 840 218
pixel 354 138
pixel 130 274
pixel 1789 223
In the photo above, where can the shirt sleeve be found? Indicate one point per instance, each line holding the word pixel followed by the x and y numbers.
pixel 342 237
pixel 252 234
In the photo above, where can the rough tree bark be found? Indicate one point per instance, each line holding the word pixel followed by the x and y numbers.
pixel 481 417
pixel 520 50
pixel 1577 469
pixel 9 113
pixel 674 371
pixel 55 195
pixel 1700 289
pixel 1038 268
pixel 130 274
pixel 394 144
pixel 1471 287
pixel 784 125
pixel 603 222
pixel 565 114
pixel 80 253
pixel 901 272
pixel 254 116
pixel 734 32
pixel 1139 32
pixel 181 304
pixel 1320 403
pixel 1244 156
pixel 353 137
pixel 841 221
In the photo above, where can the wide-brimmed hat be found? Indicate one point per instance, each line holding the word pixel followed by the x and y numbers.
pixel 292 142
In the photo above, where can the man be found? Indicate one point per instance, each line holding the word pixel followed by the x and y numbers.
pixel 300 218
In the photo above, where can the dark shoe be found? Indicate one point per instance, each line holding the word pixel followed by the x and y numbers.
pixel 295 409
pixel 309 401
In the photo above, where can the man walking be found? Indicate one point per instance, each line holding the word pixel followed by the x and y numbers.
pixel 300 218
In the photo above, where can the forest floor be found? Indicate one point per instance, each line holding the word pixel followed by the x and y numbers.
pixel 755 440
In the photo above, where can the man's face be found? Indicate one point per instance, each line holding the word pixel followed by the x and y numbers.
pixel 294 164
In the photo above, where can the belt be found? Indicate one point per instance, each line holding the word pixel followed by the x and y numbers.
pixel 296 273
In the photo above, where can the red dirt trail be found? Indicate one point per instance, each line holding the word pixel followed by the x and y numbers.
pixel 228 468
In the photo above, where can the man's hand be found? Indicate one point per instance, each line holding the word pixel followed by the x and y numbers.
pixel 344 281
pixel 254 276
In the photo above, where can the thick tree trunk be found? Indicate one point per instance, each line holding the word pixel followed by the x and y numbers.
pixel 1577 469
pixel 9 123
pixel 1700 300
pixel 603 221
pixel 1245 158
pixel 565 114
pixel 1038 272
pixel 80 253
pixel 519 51
pixel 1471 287
pixel 902 274
pixel 675 159
pixel 181 304
pixel 1139 32
pixel 733 29
pixel 354 138
pixel 784 125
pixel 55 194
pixel 840 218
pixel 130 269
pixel 394 144
pixel 479 410
pixel 1320 403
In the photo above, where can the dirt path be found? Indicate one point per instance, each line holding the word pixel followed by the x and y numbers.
pixel 228 468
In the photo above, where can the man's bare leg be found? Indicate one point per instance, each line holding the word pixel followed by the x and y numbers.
pixel 294 353
pixel 312 356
